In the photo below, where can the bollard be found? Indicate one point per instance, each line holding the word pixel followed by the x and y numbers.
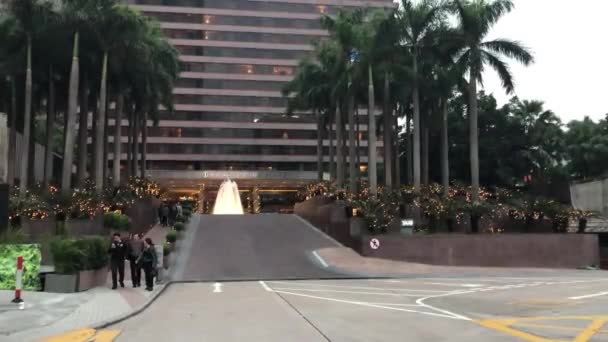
pixel 18 280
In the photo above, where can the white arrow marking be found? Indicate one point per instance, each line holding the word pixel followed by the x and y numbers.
pixel 217 288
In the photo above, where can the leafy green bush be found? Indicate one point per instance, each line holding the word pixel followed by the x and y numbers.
pixel 116 221
pixel 167 248
pixel 172 236
pixel 179 226
pixel 73 255
pixel 12 235
pixel 187 212
pixel 181 218
pixel 31 265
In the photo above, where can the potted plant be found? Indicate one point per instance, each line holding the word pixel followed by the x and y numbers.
pixel 116 221
pixel 80 264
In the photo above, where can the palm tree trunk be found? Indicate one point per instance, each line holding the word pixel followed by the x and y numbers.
pixel 388 135
pixel 27 118
pixel 106 145
pixel 130 142
pixel 101 118
pixel 358 136
pixel 416 142
pixel 445 164
pixel 330 137
pixel 371 135
pixel 473 144
pixel 12 138
pixel 31 172
pixel 339 148
pixel 352 156
pixel 50 121
pixel 425 154
pixel 68 148
pixel 396 153
pixel 82 132
pixel 408 150
pixel 319 146
pixel 136 130
pixel 117 140
pixel 144 142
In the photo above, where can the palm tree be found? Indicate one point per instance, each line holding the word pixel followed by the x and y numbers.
pixel 343 35
pixel 476 18
pixel 418 22
pixel 310 88
pixel 30 17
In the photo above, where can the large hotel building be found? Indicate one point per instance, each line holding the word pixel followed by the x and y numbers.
pixel 229 118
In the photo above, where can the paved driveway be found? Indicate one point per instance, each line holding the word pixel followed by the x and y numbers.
pixel 247 247
pixel 569 308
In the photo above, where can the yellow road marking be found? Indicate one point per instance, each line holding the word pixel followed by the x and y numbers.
pixel 85 335
pixel 554 327
pixel 503 326
pixel 80 335
pixel 105 336
pixel 510 325
pixel 591 330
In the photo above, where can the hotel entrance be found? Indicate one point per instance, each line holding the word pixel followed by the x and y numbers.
pixel 263 191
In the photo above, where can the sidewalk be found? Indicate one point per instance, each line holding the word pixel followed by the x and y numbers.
pixel 47 314
pixel 347 261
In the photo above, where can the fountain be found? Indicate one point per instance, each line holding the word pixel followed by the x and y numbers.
pixel 228 200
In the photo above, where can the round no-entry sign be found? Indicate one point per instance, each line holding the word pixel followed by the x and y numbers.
pixel 374 243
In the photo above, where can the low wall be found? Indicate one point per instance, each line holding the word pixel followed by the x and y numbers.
pixel 506 250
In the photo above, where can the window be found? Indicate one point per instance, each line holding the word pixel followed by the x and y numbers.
pixel 281 70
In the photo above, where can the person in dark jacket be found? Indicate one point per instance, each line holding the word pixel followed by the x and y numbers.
pixel 136 247
pixel 164 214
pixel 149 262
pixel 117 253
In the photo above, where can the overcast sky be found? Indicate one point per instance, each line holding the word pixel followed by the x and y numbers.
pixel 569 39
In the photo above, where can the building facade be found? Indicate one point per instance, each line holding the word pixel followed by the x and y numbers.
pixel 229 119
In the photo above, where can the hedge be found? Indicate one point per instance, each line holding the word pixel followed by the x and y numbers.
pixel 31 265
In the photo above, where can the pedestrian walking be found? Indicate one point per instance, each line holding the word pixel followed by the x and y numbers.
pixel 178 208
pixel 149 262
pixel 117 253
pixel 165 214
pixel 136 247
pixel 173 214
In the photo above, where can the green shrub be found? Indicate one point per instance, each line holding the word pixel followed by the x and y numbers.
pixel 172 236
pixel 68 256
pixel 116 221
pixel 13 236
pixel 179 226
pixel 167 248
pixel 181 218
pixel 187 212
pixel 31 265
pixel 73 255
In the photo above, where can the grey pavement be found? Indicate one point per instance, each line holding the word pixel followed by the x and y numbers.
pixel 47 314
pixel 266 246
pixel 540 309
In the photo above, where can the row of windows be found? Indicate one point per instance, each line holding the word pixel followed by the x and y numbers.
pixel 189 132
pixel 202 165
pixel 246 69
pixel 216 100
pixel 228 84
pixel 235 117
pixel 236 20
pixel 240 52
pixel 230 149
pixel 241 36
pixel 244 5
pixel 237 149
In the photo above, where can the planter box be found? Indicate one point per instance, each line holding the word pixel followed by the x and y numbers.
pixel 81 227
pixel 82 281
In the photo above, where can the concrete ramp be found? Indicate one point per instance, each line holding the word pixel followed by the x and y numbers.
pixel 254 247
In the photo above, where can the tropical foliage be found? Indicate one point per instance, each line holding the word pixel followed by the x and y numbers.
pixel 58 59
pixel 31 265
pixel 424 62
